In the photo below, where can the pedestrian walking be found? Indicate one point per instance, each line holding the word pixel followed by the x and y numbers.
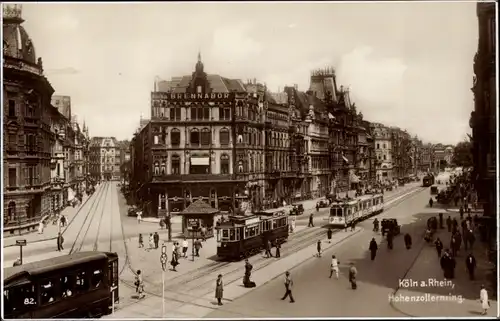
pixel 141 241
pixel 162 224
pixel 373 248
pixel 448 264
pixel 353 226
pixel 329 234
pixel 40 227
pixel 139 217
pixel 63 221
pixel 219 289
pixel 318 248
pixel 178 249
pixel 175 259
pixel 278 248
pixel 439 247
pixel 60 241
pixel 448 223
pixel 334 267
pixel 139 285
pixel 185 246
pixel 156 239
pixel 471 239
pixel 317 207
pixel 483 298
pixel 353 272
pixel 311 223
pixel 461 211
pixel 407 240
pixel 247 282
pixel 151 241
pixel 470 264
pixel 441 226
pixel 197 247
pixel 288 287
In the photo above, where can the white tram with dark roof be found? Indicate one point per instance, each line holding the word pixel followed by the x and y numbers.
pixel 346 212
pixel 244 236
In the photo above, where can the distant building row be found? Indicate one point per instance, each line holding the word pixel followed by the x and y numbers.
pixel 238 146
pixel 44 148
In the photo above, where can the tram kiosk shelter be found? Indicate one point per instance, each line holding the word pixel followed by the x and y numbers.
pixel 197 215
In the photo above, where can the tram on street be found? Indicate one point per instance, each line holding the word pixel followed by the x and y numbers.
pixel 345 213
pixel 79 285
pixel 243 236
pixel 428 180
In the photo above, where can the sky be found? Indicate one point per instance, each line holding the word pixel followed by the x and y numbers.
pixel 406 64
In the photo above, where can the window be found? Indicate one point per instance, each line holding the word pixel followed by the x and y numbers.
pixel 67 286
pixel 11 212
pixel 224 164
pixel 378 146
pixel 385 157
pixel 155 140
pixel 20 298
pixel 224 113
pixel 176 164
pixel 48 291
pixel 385 146
pixel 12 108
pixel 195 137
pixel 175 113
pixel 206 137
pixel 198 89
pixel 97 279
pixel 175 137
pixel 82 283
pixel 206 113
pixel 224 137
pixel 163 168
pixel 12 177
pixel 156 168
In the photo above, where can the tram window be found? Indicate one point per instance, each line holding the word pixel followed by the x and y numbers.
pixel 232 235
pixel 97 279
pixel 48 291
pixel 219 235
pixel 67 285
pixel 82 284
pixel 225 234
pixel 20 298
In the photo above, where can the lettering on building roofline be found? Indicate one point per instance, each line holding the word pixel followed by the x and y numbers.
pixel 192 97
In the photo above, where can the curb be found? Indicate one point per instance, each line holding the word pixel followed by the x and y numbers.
pixel 62 233
pixel 295 265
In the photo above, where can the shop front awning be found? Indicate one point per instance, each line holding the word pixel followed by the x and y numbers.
pixel 200 161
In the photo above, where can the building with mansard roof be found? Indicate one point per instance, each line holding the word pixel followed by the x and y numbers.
pixel 26 128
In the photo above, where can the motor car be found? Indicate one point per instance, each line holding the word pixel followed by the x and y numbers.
pixel 322 203
pixel 390 224
pixel 297 209
pixel 132 211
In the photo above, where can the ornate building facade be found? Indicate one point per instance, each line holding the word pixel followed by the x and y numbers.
pixel 401 145
pixel 104 159
pixel 26 128
pixel 483 118
pixel 383 152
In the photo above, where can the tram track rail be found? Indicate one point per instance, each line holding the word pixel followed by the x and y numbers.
pixel 96 240
pixel 299 242
pixel 90 214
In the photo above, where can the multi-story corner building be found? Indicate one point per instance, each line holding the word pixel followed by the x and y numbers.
pixel 26 128
pixel 383 152
pixel 68 136
pixel 483 118
pixel 58 174
pixel 401 152
pixel 79 145
pixel 416 156
pixel 367 155
pixel 104 158
pixel 428 157
pixel 343 128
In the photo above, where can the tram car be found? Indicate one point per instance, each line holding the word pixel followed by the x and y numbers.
pixel 243 236
pixel 345 213
pixel 428 180
pixel 79 285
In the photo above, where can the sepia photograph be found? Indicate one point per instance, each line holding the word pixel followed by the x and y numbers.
pixel 261 160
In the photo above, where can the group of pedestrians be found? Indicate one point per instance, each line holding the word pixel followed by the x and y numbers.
pixel 153 241
pixel 268 248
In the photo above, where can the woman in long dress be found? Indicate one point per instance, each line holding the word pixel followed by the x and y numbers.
pixel 219 289
pixel 483 298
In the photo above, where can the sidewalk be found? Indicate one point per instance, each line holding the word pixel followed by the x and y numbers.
pixel 460 298
pixel 50 231
pixel 195 306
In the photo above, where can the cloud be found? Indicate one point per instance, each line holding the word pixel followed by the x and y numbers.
pixel 62 71
pixel 292 25
pixel 234 43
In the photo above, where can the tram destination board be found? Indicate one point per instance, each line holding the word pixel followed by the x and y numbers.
pixel 21 242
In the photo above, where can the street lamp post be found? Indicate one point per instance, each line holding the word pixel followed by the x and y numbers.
pixel 163 260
